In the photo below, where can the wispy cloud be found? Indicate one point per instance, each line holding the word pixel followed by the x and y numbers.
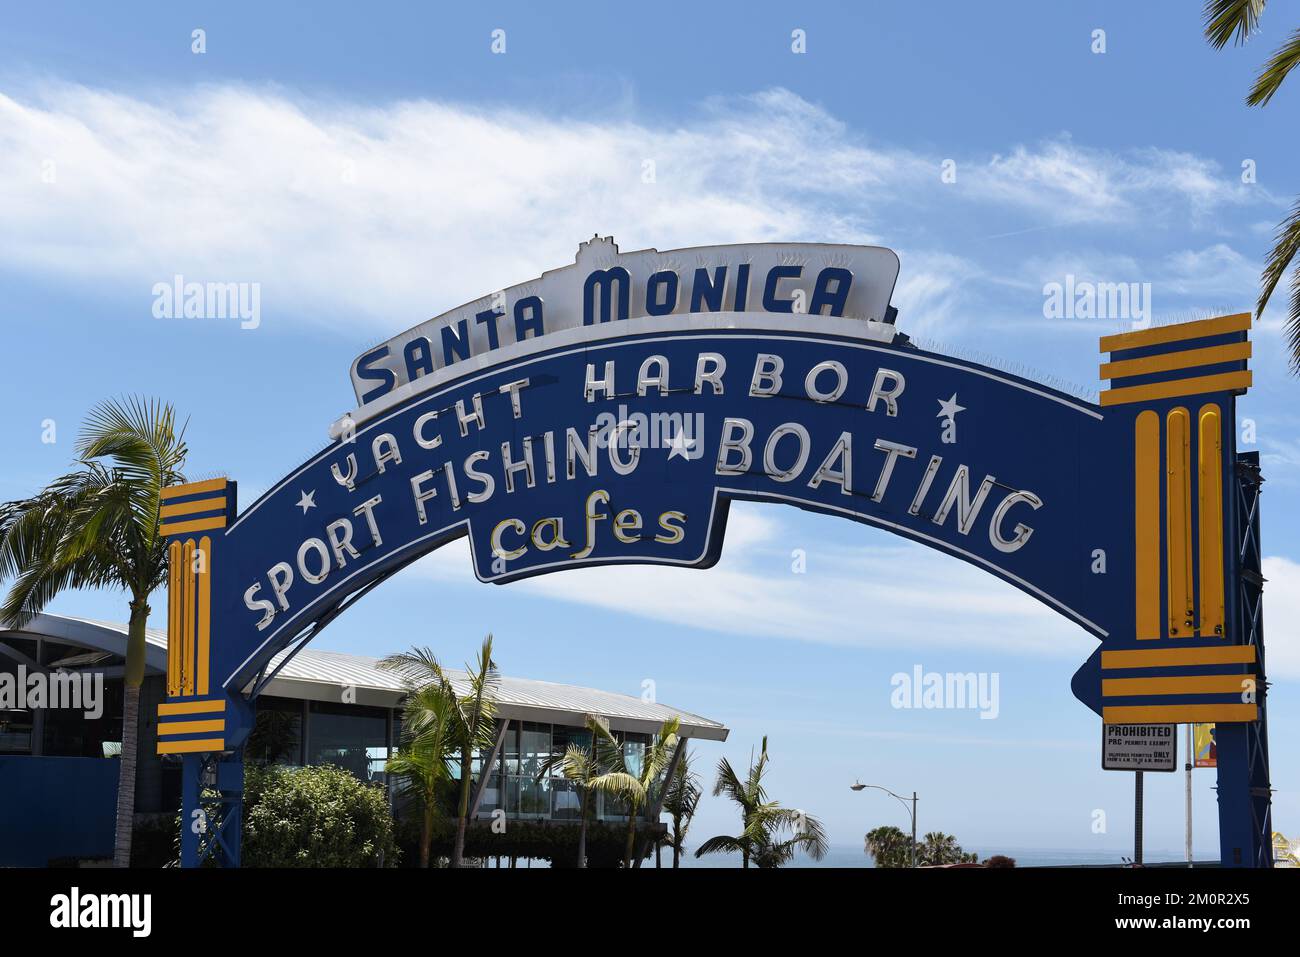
pixel 1063 182
pixel 883 595
pixel 347 212
pixel 1282 617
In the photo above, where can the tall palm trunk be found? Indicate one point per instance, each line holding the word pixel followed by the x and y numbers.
pixel 582 830
pixel 458 850
pixel 126 777
pixel 426 832
pixel 630 847
pixel 133 678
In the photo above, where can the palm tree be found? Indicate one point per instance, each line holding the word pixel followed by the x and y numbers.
pixel 681 799
pixel 1237 20
pixel 473 718
pixel 97 527
pixel 889 847
pixel 763 822
pixel 581 765
pixel 421 765
pixel 632 784
pixel 939 848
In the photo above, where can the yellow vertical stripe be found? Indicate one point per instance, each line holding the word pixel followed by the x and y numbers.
pixel 1146 501
pixel 1178 507
pixel 205 611
pixel 1210 491
pixel 187 624
pixel 173 618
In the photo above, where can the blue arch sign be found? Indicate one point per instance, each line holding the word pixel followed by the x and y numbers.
pixel 610 411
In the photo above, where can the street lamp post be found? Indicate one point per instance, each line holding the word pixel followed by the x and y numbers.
pixel 859 786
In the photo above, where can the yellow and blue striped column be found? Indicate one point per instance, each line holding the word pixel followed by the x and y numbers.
pixel 192 519
pixel 1183 379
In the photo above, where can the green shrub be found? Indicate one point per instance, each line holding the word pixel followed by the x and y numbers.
pixel 554 842
pixel 315 817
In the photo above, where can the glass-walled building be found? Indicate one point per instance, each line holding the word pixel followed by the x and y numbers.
pixel 58 768
pixel 517 782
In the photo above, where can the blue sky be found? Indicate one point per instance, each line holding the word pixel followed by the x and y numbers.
pixel 374 166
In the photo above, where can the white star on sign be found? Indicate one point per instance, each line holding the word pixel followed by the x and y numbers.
pixel 307 500
pixel 949 409
pixel 679 444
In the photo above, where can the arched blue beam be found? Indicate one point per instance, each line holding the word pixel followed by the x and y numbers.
pixel 1034 486
pixel 1001 453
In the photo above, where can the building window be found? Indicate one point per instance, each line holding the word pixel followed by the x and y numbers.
pixel 492 796
pixel 277 736
pixel 534 752
pixel 15 732
pixel 634 746
pixel 566 798
pixel 69 733
pixel 349 737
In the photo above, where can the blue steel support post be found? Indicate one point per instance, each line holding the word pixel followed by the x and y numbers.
pixel 230 784
pixel 212 805
pixel 191 790
pixel 1245 795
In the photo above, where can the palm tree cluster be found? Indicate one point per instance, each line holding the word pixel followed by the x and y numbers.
pixel 602 767
pixel 442 725
pixel 1237 21
pixel 681 799
pixel 889 847
pixel 97 527
pixel 770 833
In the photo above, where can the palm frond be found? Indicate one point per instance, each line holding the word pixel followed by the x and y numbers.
pixel 754 783
pixel 139 438
pixel 660 752
pixel 1280 258
pixel 417 667
pixel 728 783
pixel 35 539
pixel 619 784
pixel 1235 20
pixel 1283 61
pixel 722 844
pixel 1293 322
pixel 478 707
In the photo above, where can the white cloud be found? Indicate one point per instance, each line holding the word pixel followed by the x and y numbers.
pixel 1280 459
pixel 1066 183
pixel 1282 617
pixel 390 213
pixel 932 294
pixel 406 209
pixel 881 595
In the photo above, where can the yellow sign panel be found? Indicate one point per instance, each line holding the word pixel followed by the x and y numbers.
pixel 1203 746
